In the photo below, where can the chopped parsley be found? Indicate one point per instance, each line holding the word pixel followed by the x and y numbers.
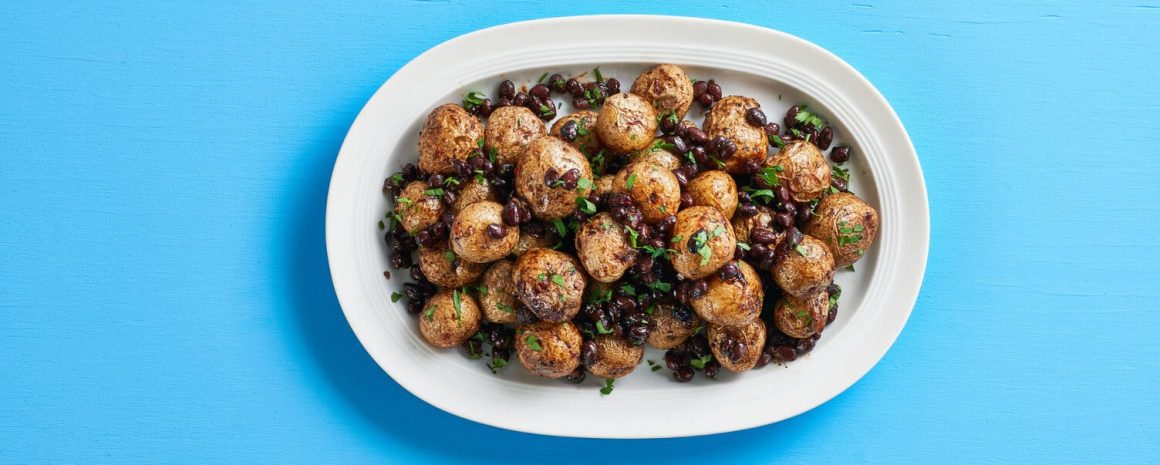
pixel 653 365
pixel 473 98
pixel 395 296
pixel 601 296
pixel 558 280
pixel 808 118
pixel 429 314
pixel 496 363
pixel 504 307
pixel 840 173
pixel 580 126
pixel 561 230
pixel 849 234
pixel 597 162
pixel 542 77
pixel 800 250
pixel 449 255
pixel 607 389
pixel 631 181
pixel 382 225
pixel 583 183
pixel 660 144
pixel 628 290
pixel 586 205
pixel 776 140
pixel 743 246
pixel 601 329
pixel 458 306
pixel 769 174
pixel 596 72
pixel 699 363
pixel 436 192
pixel 764 195
pixel 532 342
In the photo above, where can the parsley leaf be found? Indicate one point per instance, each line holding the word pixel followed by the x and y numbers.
pixel 586 205
pixel 449 255
pixel 458 306
pixel 532 342
pixel 607 389
pixel 800 250
pixel 496 364
pixel 808 118
pixel 436 192
pixel 653 365
pixel 542 77
pixel 596 72
pixel 631 181
pixel 743 246
pixel 382 225
pixel 429 314
pixel 473 98
pixel 583 183
pixel 561 230
pixel 395 296
pixel 600 327
pixel 769 174
pixel 699 363
pixel 558 280
pixel 504 307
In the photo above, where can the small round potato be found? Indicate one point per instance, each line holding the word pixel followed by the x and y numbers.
pixel 731 303
pixel 470 238
pixel 449 318
pixel 555 201
pixel 603 247
pixel 749 341
pixel 615 358
pixel 846 224
pixel 497 294
pixel 603 185
pixel 804 170
pixel 530 241
pixel 727 119
pixel 445 269
pixel 802 318
pixel 473 191
pixel 716 189
pixel 627 123
pixel 667 87
pixel 743 225
pixel 670 325
pixel 586 139
pixel 450 133
pixel 547 349
pixel 706 242
pixel 416 209
pixel 657 154
pixel 653 189
pixel 805 269
pixel 550 284
pixel 509 130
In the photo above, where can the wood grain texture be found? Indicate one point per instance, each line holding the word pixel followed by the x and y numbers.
pixel 164 293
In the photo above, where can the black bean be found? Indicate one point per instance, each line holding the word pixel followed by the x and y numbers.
pixel 747 209
pixel 676 360
pixel 699 88
pixel 840 154
pixel 750 167
pixel 577 376
pixel 486 108
pixel 581 103
pixel 619 199
pixel 787 207
pixel 569 131
pixel 781 193
pixel 729 271
pixel 449 197
pixel 520 100
pixel 714 89
pixel 804 346
pixel 839 184
pixel 683 375
pixel 825 138
pixel 785 220
pixel 697 136
pixel 613 86
pixel 525 316
pixel 712 368
pixel 668 125
pixel 507 88
pixel 726 150
pixel 772 128
pixel 761 235
pixel 556 82
pixel 496 231
pixel 812 135
pixel 572 86
pixel 701 155
pixel 755 117
pixel 790 116
pixel 803 216
pixel 588 352
pixel 551 176
pixel 686 200
pixel 436 180
pixel 706 100
pixel 678 143
pixel 764 359
pixel 681 178
pixel 503 102
pixel 540 91
pixel 570 178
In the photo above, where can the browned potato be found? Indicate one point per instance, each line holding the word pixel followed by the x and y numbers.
pixel 846 224
pixel 655 153
pixel 615 358
pixel 450 133
pixel 497 294
pixel 586 139
pixel 627 123
pixel 445 269
pixel 509 130
pixel 547 349
pixel 804 170
pixel 474 233
pixel 805 269
pixel 555 201
pixel 747 344
pixel 603 186
pixel 416 209
pixel 603 248
pixel 734 302
pixel 449 318
pixel 550 284
pixel 667 87
pixel 802 317
pixel 473 191
pixel 529 241
pixel 743 225
pixel 727 119
pixel 670 325
pixel 714 189
pixel 653 189
pixel 706 241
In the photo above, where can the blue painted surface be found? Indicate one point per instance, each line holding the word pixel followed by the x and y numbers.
pixel 164 293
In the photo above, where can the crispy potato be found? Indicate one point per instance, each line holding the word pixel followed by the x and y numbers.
pixel 473 191
pixel 509 130
pixel 450 133
pixel 603 186
pixel 653 189
pixel 556 201
pixel 603 247
pixel 416 209
pixel 445 269
pixel 731 303
pixel 670 325
pixel 449 318
pixel 750 340
pixel 626 123
pixel 727 119
pixel 586 139
pixel 846 224
pixel 497 293
pixel 471 240
pixel 806 269
pixel 667 87
pixel 547 349
pixel 804 170
pixel 615 357
pixel 704 228
pixel 530 241
pixel 655 153
pixel 714 189
pixel 802 317
pixel 550 284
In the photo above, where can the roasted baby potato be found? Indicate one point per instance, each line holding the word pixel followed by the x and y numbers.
pixel 603 247
pixel 449 318
pixel 627 123
pixel 478 234
pixel 727 119
pixel 450 133
pixel 550 284
pixel 703 242
pixel 805 269
pixel 509 130
pixel 615 357
pixel 653 189
pixel 497 294
pixel 539 173
pixel 804 170
pixel 445 269
pixel 715 189
pixel 586 139
pixel 737 348
pixel 802 317
pixel 732 302
pixel 547 349
pixel 416 209
pixel 667 87
pixel 846 224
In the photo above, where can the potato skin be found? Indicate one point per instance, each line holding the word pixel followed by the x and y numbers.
pixel 655 190
pixel 469 237
pixel 446 272
pixel 529 241
pixel 671 325
pixel 471 192
pixel 844 212
pixel 549 203
pixel 417 210
pixel 602 186
pixel 559 352
pixel 667 87
pixel 450 133
pixel 689 222
pixel 802 317
pixel 716 189
pixel 509 130
pixel 743 225
pixel 615 358
pixel 603 247
pixel 727 119
pixel 802 275
pixel 627 123
pixel 751 334
pixel 588 143
pixel 550 284
pixel 442 326
pixel 499 301
pixel 655 154
pixel 804 170
pixel 731 303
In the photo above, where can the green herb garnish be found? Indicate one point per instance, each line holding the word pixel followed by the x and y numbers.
pixel 631 181
pixel 473 98
pixel 601 329
pixel 532 342
pixel 607 389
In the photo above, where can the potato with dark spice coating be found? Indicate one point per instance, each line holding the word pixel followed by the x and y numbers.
pixel 716 189
pixel 416 209
pixel 474 233
pixel 550 198
pixel 749 342
pixel 603 247
pixel 547 349
pixel 450 133
pixel 764 218
pixel 449 318
pixel 804 170
pixel 667 87
pixel 656 153
pixel 705 242
pixel 846 224
pixel 445 269
pixel 473 191
pixel 603 185
pixel 509 130
pixel 653 189
pixel 670 325
pixel 530 241
pixel 550 284
pixel 727 119
pixel 802 317
pixel 805 269
pixel 615 357
pixel 497 293
pixel 627 123
pixel 731 303
pixel 586 139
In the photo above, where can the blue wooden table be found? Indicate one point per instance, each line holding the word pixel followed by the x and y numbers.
pixel 164 293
